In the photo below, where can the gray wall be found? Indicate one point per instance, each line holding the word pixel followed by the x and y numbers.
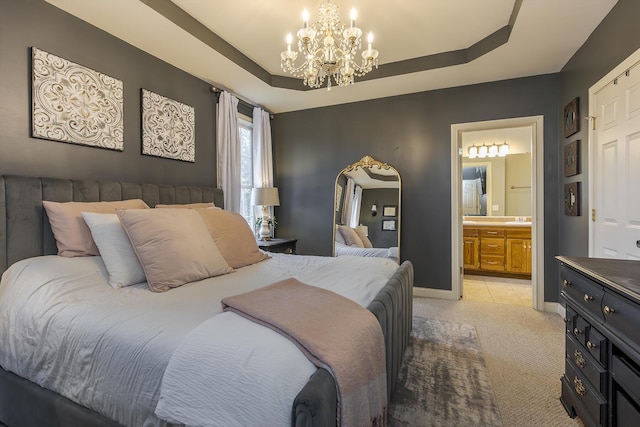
pixel 381 197
pixel 413 134
pixel 617 37
pixel 27 23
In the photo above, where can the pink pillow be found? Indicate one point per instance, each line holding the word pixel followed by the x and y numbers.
pixel 365 240
pixel 73 236
pixel 233 237
pixel 350 236
pixel 173 246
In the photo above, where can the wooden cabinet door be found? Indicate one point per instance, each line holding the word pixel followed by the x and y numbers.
pixel 470 252
pixel 519 255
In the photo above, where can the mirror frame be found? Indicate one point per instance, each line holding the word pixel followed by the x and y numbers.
pixel 368 162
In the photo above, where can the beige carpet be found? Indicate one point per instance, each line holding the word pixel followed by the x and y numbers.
pixel 524 353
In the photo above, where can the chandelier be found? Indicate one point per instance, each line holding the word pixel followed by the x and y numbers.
pixel 329 49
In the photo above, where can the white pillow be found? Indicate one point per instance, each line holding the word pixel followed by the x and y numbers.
pixel 115 248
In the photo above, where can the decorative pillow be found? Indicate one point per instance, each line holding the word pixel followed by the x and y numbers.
pixel 350 237
pixel 233 237
pixel 363 237
pixel 72 234
pixel 187 206
pixel 339 237
pixel 116 251
pixel 173 246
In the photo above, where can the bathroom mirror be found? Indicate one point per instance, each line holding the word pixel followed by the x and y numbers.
pixel 367 210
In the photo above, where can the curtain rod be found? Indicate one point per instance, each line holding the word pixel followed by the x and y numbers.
pixel 217 91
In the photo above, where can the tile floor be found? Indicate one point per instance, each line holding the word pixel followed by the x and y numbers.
pixel 501 290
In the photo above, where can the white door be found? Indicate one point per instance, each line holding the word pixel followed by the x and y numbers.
pixel 616 163
pixel 470 204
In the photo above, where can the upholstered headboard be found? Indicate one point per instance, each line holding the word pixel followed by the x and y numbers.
pixel 24 227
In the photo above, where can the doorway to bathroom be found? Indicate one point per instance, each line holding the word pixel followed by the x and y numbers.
pixel 497 205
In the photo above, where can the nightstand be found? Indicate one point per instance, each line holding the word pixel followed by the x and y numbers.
pixel 282 246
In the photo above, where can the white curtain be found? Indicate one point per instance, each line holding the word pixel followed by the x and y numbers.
pixel 228 144
pixel 355 207
pixel 262 153
pixel 347 206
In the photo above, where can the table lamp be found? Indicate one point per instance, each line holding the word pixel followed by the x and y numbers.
pixel 265 197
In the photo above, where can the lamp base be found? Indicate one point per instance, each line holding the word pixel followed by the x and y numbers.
pixel 265 231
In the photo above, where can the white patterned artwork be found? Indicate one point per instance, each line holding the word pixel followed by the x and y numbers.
pixel 72 103
pixel 168 128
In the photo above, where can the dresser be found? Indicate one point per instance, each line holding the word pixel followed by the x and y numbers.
pixel 601 381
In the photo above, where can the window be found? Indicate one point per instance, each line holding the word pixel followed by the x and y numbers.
pixel 245 129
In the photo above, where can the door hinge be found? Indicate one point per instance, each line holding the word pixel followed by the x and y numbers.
pixel 593 123
pixel 593 215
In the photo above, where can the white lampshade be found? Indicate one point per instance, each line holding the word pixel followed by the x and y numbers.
pixel 493 150
pixel 265 196
pixel 473 152
pixel 483 151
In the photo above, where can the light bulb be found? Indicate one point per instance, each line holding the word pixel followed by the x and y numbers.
pixel 473 152
pixel 493 150
pixel 504 150
pixel 482 152
pixel 305 18
pixel 354 13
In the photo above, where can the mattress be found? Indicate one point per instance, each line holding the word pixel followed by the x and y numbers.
pixel 67 330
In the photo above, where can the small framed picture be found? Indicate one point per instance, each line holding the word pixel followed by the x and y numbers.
pixel 389 225
pixel 389 210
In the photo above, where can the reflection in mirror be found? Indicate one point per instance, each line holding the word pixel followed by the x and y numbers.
pixel 367 210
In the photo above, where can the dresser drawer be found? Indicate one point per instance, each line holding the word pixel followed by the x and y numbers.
pixel 492 262
pixel 469 232
pixel 625 412
pixel 627 374
pixel 621 316
pixel 592 401
pixel 570 318
pixel 585 293
pixel 587 365
pixel 492 246
pixel 492 232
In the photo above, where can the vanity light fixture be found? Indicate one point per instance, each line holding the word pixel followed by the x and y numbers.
pixel 473 152
pixel 493 150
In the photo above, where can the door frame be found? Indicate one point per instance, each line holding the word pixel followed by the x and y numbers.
pixel 536 124
pixel 593 90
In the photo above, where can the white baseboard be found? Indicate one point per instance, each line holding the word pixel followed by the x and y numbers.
pixel 549 307
pixel 433 293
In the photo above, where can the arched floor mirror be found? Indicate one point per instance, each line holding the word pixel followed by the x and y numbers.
pixel 367 210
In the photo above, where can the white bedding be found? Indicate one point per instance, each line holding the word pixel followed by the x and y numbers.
pixel 63 327
pixel 391 253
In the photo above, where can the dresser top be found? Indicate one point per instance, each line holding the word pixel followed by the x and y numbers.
pixel 620 274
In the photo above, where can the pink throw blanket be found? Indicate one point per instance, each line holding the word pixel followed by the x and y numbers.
pixel 334 333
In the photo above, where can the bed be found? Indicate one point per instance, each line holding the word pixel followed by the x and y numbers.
pixel 26 233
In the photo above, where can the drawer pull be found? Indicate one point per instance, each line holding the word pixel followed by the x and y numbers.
pixel 565 282
pixel 492 232
pixel 576 331
pixel 608 310
pixel 579 359
pixel 580 389
pixel 566 320
pixel 492 246
pixel 591 345
pixel 491 262
pixel 588 297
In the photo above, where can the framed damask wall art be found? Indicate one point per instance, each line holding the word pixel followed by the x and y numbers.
pixel 168 128
pixel 572 158
pixel 75 104
pixel 572 199
pixel 570 118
